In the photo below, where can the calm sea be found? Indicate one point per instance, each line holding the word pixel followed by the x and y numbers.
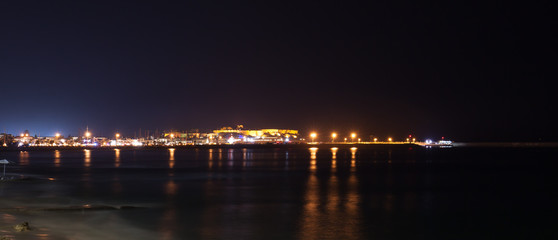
pixel 286 192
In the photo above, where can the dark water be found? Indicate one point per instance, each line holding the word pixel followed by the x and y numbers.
pixel 373 192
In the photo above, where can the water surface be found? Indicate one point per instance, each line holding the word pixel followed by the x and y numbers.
pixel 296 192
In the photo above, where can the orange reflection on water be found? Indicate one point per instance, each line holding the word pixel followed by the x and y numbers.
pixel 313 151
pixel 42 236
pixel 171 157
pixel 244 155
pixel 8 218
pixel 331 208
pixel 116 157
pixel 171 188
pixel 23 158
pixel 353 157
pixel 168 225
pixel 310 218
pixel 231 157
pixel 220 157
pixel 210 162
pixel 334 157
pixel 333 193
pixel 56 158
pixel 352 198
pixel 87 158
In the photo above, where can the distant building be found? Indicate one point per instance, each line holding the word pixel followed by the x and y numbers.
pixel 256 136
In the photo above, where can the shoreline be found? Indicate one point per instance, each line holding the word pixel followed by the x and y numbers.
pixel 256 146
pixel 296 145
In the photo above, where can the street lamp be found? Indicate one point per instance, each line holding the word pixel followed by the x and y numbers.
pixel 117 135
pixel 375 139
pixel 87 134
pixel 333 136
pixel 57 135
pixel 389 139
pixel 313 136
pixel 353 136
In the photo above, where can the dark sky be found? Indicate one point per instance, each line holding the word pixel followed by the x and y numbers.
pixel 462 69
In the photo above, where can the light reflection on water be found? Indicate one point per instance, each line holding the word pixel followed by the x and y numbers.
pixel 313 152
pixel 23 158
pixel 244 157
pixel 116 157
pixel 171 157
pixel 220 157
pixel 210 158
pixel 334 158
pixel 87 158
pixel 56 158
pixel 289 193
pixel 353 157
pixel 230 157
pixel 326 206
pixel 168 222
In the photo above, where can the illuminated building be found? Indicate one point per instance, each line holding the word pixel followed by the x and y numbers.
pixel 259 133
pixel 255 136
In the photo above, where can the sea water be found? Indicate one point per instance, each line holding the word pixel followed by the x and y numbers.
pixel 282 192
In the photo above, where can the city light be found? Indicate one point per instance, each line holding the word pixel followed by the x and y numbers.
pixel 313 136
pixel 216 137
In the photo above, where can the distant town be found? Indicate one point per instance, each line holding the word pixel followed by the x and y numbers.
pixel 222 136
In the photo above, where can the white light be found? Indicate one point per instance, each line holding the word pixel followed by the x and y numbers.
pixel 135 143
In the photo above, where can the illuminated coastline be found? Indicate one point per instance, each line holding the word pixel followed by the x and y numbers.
pixel 222 136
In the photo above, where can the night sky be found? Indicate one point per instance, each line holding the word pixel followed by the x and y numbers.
pixel 470 71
